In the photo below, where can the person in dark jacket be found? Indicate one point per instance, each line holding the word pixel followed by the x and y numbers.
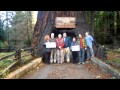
pixel 67 44
pixel 47 50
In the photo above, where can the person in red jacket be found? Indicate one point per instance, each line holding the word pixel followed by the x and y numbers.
pixel 60 45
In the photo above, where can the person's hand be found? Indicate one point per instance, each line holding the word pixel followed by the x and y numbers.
pixel 85 48
pixel 60 47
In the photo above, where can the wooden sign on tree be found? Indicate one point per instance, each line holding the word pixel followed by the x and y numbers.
pixel 65 22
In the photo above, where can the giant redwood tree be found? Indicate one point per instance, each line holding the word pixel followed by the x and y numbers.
pixel 45 25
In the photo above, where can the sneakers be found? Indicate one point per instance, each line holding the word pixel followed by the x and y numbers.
pixel 51 61
pixel 54 61
pixel 93 56
pixel 59 62
pixel 81 63
pixel 88 59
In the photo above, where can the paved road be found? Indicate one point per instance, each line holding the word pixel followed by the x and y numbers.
pixel 66 71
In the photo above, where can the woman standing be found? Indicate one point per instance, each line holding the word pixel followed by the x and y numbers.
pixel 60 45
pixel 47 50
pixel 74 53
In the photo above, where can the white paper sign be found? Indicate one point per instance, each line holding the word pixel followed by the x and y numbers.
pixel 50 45
pixel 75 48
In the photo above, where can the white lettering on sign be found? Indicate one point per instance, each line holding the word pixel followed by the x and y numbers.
pixel 65 22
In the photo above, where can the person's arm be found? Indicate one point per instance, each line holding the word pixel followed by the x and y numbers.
pixel 78 42
pixel 69 42
pixel 44 44
pixel 62 45
pixel 85 45
pixel 57 44
pixel 91 38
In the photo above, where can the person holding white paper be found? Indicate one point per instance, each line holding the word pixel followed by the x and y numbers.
pixel 47 50
pixel 74 53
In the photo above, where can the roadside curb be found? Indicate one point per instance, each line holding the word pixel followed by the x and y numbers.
pixel 106 68
pixel 23 70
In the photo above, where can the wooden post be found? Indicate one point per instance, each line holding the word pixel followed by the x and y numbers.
pixel 33 52
pixel 19 57
pixel 104 53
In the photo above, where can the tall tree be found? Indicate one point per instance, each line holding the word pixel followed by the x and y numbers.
pixel 45 25
pixel 22 29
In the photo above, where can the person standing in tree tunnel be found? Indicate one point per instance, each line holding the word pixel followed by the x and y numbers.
pixel 47 50
pixel 82 43
pixel 74 53
pixel 53 50
pixel 89 40
pixel 67 45
pixel 60 45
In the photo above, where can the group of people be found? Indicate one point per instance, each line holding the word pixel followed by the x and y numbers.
pixel 63 48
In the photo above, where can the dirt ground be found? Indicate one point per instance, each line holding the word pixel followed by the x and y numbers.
pixel 66 71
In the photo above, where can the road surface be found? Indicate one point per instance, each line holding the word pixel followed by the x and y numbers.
pixel 66 71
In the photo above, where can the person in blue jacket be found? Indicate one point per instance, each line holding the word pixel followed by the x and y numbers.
pixel 89 41
pixel 67 44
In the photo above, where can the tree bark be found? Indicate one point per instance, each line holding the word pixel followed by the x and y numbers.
pixel 118 22
pixel 92 22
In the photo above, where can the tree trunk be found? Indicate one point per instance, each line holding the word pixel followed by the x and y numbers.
pixel 45 25
pixel 92 22
pixel 118 22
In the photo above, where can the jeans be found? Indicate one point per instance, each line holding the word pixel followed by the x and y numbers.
pixel 81 55
pixel 90 52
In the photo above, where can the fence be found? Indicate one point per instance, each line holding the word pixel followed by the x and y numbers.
pixel 102 53
pixel 17 58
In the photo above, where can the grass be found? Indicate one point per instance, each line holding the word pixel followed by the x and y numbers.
pixel 26 58
pixel 10 59
pixel 5 63
pixel 115 61
pixel 113 55
pixel 5 54
pixel 117 50
pixel 113 58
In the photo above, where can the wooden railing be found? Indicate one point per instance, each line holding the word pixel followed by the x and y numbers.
pixel 7 50
pixel 102 53
pixel 17 58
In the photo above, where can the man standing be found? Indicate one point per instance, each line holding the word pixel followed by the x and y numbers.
pixel 53 50
pixel 67 47
pixel 89 41
pixel 82 43
pixel 60 45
